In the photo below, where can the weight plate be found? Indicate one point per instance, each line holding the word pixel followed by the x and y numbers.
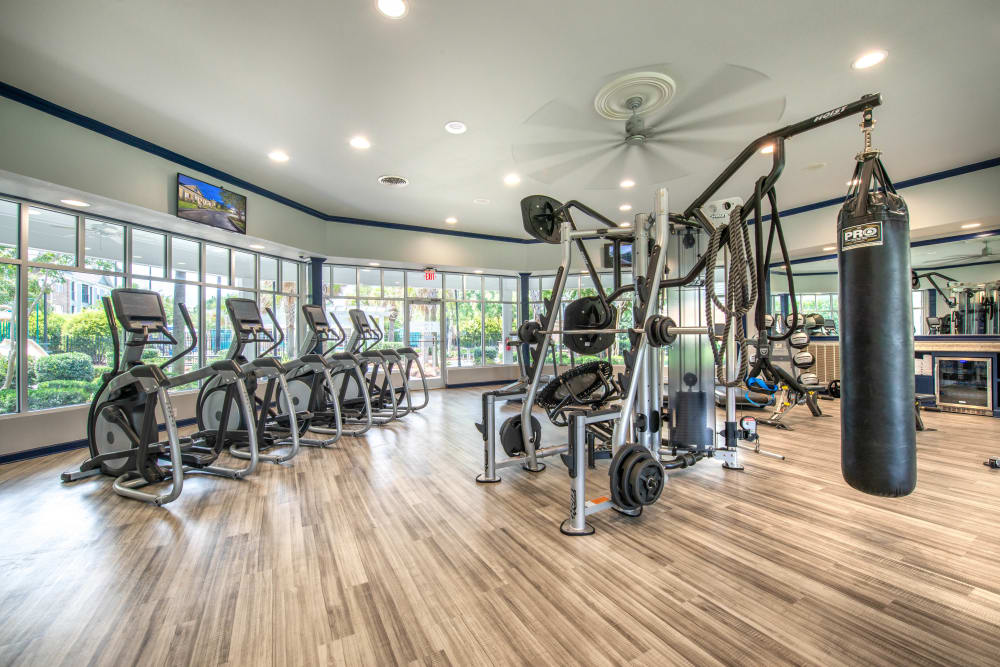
pixel 511 438
pixel 646 482
pixel 615 475
pixel 629 465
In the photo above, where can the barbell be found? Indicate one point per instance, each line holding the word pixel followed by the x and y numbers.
pixel 659 329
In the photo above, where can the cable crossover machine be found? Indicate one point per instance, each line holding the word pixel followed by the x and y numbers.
pixel 674 305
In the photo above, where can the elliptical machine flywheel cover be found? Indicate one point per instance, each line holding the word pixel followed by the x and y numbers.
pixel 510 435
pixel 589 313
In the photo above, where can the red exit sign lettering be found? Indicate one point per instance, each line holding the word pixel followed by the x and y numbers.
pixel 430 275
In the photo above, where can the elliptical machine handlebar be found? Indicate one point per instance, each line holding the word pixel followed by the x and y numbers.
pixel 189 323
pixel 270 337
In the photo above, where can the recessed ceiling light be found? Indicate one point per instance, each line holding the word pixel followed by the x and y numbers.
pixel 360 142
pixel 136 256
pixel 373 264
pixel 627 183
pixel 478 271
pixel 394 9
pixel 451 220
pixel 455 127
pixel 625 207
pixel 812 166
pixel 767 150
pixel 624 223
pixel 74 202
pixel 257 246
pixel 511 179
pixel 852 182
pixel 972 225
pixel 482 201
pixel 87 248
pixel 278 156
pixel 870 59
pixel 829 247
pixel 181 263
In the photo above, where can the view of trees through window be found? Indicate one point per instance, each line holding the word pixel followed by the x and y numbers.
pixel 69 263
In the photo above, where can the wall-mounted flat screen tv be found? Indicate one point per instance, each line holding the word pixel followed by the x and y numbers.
pixel 211 205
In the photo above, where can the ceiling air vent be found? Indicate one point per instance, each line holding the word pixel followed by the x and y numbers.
pixel 393 181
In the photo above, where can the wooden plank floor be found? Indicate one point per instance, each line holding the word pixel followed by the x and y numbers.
pixel 384 551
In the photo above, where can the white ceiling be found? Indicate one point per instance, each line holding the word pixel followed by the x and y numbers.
pixel 227 81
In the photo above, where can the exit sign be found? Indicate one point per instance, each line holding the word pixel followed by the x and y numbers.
pixel 430 275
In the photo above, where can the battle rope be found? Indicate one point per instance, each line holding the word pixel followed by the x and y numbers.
pixel 742 270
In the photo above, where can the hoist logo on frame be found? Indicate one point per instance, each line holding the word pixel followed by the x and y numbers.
pixel 860 236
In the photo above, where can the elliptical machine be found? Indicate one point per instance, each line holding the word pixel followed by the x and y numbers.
pixel 381 396
pixel 405 359
pixel 270 427
pixel 343 369
pixel 122 426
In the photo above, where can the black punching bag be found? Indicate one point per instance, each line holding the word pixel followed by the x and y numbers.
pixel 878 448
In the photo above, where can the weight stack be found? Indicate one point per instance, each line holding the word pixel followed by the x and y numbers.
pixel 878 434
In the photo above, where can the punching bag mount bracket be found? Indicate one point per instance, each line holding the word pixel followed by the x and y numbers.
pixel 867 125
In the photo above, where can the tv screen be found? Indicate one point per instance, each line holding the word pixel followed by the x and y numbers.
pixel 608 260
pixel 211 205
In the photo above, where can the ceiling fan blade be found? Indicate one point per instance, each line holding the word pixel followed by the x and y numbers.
pixel 611 174
pixel 768 111
pixel 716 148
pixel 531 152
pixel 553 173
pixel 725 82
pixel 656 167
pixel 557 113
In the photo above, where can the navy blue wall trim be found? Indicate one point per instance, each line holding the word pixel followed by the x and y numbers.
pixel 63 447
pixel 26 98
pixel 35 102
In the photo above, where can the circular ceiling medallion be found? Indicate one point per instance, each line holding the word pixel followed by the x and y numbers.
pixel 655 89
pixel 393 181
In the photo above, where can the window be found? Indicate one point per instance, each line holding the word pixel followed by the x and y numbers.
pixel 345 281
pixel 52 237
pixel 70 345
pixel 370 283
pixel 10 226
pixel 268 274
pixel 419 287
pixel 148 253
pixel 104 246
pixel 919 324
pixel 289 277
pixel 244 269
pixel 216 265
pixel 8 337
pixel 185 259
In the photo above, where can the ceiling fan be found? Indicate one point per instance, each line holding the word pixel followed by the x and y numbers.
pixel 983 253
pixel 676 118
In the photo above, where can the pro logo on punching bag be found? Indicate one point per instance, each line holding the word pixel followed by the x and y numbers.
pixel 860 236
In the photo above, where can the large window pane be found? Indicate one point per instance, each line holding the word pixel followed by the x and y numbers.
pixel 370 282
pixel 216 265
pixel 286 309
pixel 388 314
pixel 499 319
pixel 104 246
pixel 8 338
pixel 268 273
pixel 392 283
pixel 245 266
pixel 148 254
pixel 473 288
pixel 509 292
pixel 10 227
pixel 186 259
pixel 340 309
pixel 345 281
pixel 417 286
pixel 218 328
pixel 463 328
pixel 51 237
pixel 70 344
pixel 491 288
pixel 289 277
pixel 453 286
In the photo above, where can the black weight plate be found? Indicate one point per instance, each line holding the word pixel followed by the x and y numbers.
pixel 510 435
pixel 633 462
pixel 615 474
pixel 646 482
pixel 589 313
